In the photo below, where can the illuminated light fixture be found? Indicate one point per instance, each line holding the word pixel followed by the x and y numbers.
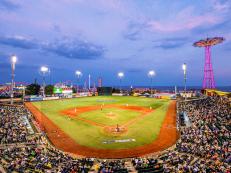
pixel 120 74
pixel 78 73
pixel 14 59
pixel 151 73
pixel 44 69
pixel 184 67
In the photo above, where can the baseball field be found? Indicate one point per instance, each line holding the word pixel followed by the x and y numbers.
pixel 108 126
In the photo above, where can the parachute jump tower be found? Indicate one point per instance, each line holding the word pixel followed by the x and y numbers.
pixel 208 81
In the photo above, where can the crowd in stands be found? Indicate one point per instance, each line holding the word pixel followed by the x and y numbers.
pixel 36 158
pixel 147 165
pixel 12 127
pixel 204 146
pixel 112 166
pixel 209 135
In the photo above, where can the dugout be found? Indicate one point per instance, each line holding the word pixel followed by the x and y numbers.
pixel 104 91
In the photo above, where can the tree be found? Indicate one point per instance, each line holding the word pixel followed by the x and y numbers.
pixel 49 89
pixel 32 89
pixel 74 90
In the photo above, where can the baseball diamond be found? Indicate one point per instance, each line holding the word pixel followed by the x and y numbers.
pixel 81 125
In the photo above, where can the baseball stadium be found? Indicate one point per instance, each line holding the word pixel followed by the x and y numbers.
pixel 115 86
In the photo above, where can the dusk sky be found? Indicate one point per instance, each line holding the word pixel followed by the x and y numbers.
pixel 103 37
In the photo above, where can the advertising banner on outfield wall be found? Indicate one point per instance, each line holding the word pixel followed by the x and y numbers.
pixel 50 98
pixel 33 98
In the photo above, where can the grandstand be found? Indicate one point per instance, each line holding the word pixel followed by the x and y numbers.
pixel 204 146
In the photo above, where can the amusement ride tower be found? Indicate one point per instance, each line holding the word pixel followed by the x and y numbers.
pixel 208 81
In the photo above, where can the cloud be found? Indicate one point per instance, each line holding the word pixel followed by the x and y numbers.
pixel 185 25
pixel 133 36
pixel 184 20
pixel 134 30
pixel 221 6
pixel 69 48
pixel 75 49
pixel 8 5
pixel 170 43
pixel 19 41
pixel 212 29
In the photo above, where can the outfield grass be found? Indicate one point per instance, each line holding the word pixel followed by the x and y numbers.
pixel 144 131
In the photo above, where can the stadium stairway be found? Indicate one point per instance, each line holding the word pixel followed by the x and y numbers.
pixel 130 167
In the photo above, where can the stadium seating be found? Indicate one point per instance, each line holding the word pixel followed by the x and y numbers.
pixel 202 147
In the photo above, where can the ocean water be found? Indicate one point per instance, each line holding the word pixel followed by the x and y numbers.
pixel 172 88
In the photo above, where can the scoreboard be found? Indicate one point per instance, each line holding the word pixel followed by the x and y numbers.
pixel 104 91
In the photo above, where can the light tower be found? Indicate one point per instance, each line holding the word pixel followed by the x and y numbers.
pixel 13 62
pixel 208 81
pixel 78 74
pixel 184 68
pixel 120 76
pixel 44 71
pixel 151 74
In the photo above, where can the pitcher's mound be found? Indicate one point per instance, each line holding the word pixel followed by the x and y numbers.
pixel 115 131
pixel 111 114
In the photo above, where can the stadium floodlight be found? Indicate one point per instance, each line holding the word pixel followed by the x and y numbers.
pixel 78 74
pixel 120 76
pixel 44 71
pixel 151 74
pixel 184 68
pixel 14 59
pixel 13 62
